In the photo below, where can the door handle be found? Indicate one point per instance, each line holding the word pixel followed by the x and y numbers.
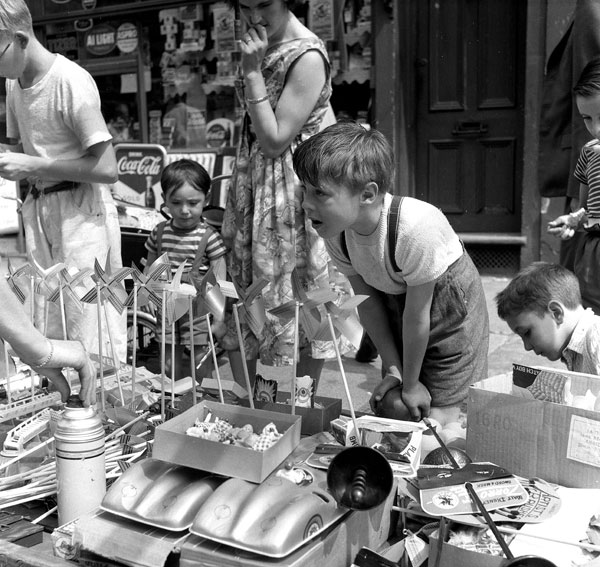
pixel 469 129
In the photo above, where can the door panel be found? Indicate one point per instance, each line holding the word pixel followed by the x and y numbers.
pixel 469 111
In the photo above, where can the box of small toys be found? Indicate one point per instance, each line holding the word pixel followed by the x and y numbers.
pixel 229 440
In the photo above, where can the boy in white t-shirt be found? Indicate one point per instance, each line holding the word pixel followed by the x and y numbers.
pixel 53 111
pixel 426 311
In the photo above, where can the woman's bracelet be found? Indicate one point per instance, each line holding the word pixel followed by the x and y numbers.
pixel 257 100
pixel 48 358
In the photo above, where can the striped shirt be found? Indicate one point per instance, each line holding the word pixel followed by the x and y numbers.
pixel 182 245
pixel 587 171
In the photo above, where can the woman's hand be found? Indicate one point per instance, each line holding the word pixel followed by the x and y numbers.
pixel 253 47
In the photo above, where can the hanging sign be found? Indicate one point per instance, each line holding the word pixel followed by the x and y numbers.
pixel 127 37
pixel 101 39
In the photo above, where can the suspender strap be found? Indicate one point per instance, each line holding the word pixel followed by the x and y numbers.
pixel 160 228
pixel 201 250
pixel 393 216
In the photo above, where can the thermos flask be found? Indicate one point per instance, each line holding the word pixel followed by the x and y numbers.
pixel 80 468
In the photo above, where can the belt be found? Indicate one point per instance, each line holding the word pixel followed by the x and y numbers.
pixel 62 186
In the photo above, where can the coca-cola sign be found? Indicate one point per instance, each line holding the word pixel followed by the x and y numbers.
pixel 139 168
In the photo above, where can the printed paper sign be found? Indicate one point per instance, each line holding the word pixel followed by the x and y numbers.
pixel 496 493
pixel 584 441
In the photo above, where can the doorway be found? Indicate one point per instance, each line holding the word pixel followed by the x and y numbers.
pixel 469 85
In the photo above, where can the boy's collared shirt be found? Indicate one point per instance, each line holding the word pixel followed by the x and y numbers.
pixel 582 354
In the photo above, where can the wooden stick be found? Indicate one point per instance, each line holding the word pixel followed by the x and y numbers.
pixel 163 373
pixel 7 370
pixel 100 349
pixel 25 453
pixel 295 357
pixel 136 289
pixel 192 348
pixel 211 339
pixel 173 363
pixel 238 327
pixel 116 360
pixel 344 379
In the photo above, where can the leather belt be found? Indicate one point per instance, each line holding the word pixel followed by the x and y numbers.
pixel 62 186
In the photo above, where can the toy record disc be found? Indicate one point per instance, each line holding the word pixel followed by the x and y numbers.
pixel 543 503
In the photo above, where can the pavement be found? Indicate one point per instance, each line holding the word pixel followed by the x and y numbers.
pixel 504 350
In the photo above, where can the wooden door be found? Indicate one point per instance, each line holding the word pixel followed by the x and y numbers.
pixel 470 61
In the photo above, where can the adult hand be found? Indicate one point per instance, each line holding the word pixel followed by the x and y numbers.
pixel 71 354
pixel 388 383
pixel 16 166
pixel 253 47
pixel 417 399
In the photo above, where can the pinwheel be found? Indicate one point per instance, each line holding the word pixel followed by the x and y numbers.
pixel 342 317
pixel 13 279
pixel 209 299
pixel 250 306
pixel 144 295
pixel 175 303
pixel 109 287
pixel 303 310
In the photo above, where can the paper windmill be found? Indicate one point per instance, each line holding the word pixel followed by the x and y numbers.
pixel 13 279
pixel 251 306
pixel 145 292
pixel 209 297
pixel 44 276
pixel 344 320
pixel 69 280
pixel 176 300
pixel 308 302
pixel 108 285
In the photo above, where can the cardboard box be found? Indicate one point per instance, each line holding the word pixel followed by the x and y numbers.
pixel 314 420
pixel 173 445
pixel 534 438
pixel 451 556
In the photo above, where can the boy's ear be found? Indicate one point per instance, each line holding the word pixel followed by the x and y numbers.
pixel 369 193
pixel 22 39
pixel 557 311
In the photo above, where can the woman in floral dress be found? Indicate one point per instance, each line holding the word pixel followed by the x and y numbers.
pixel 285 89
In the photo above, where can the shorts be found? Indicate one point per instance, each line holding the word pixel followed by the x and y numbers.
pixel 457 351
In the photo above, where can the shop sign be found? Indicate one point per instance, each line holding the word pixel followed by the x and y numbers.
pixel 100 40
pixel 127 37
pixel 139 167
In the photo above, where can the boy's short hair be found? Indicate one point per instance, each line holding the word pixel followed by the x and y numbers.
pixel 14 16
pixel 347 154
pixel 183 171
pixel 535 286
pixel 588 83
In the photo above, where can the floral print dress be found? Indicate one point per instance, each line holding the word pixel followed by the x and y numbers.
pixel 264 225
